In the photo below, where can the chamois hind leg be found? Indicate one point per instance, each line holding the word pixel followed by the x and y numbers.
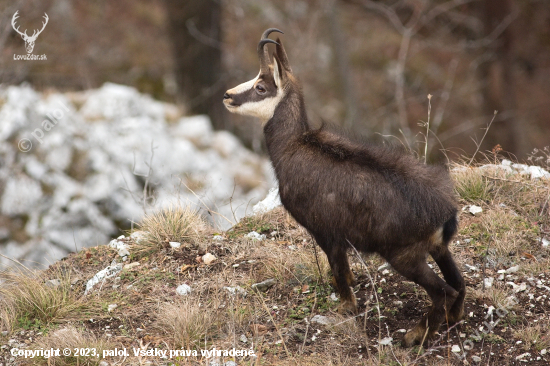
pixel 342 275
pixel 416 269
pixel 453 277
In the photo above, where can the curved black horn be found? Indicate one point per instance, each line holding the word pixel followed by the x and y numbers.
pixel 265 35
pixel 263 56
pixel 269 31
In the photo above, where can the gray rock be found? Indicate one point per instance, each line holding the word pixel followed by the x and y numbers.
pixel 324 320
pixel 183 289
pixel 264 285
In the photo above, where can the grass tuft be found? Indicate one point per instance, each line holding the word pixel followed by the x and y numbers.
pixel 175 223
pixel 533 335
pixel 188 322
pixel 28 301
pixel 72 338
pixel 471 186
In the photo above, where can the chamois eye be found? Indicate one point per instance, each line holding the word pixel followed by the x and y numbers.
pixel 260 89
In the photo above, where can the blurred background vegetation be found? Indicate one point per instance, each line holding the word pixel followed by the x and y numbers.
pixel 365 65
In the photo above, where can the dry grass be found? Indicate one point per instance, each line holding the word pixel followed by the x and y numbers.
pixel 533 335
pixel 498 296
pixel 173 224
pixel 510 232
pixel 72 338
pixel 189 323
pixel 471 186
pixel 27 300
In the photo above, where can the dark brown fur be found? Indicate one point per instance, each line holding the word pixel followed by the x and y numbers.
pixel 377 198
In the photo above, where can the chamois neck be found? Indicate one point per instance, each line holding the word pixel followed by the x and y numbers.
pixel 288 123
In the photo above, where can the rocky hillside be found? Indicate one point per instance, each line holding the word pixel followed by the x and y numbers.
pixel 76 168
pixel 177 292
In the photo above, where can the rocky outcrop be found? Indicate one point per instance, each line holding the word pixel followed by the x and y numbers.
pixel 75 168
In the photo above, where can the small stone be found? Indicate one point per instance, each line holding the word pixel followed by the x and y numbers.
pixel 398 303
pixel 131 265
pixel 386 341
pixel 545 243
pixel 237 290
pixel 476 359
pixel 243 338
pixel 523 355
pixel 53 283
pixel 4 333
pixel 208 258
pixel 103 363
pixel 321 319
pixel 123 252
pixel 543 351
pixel 475 210
pixel 217 238
pixel 455 348
pixel 488 281
pixel 183 289
pixel 111 307
pixel 255 236
pixel 175 244
pixel 512 269
pixel 264 285
pixel 333 297
pixel 230 363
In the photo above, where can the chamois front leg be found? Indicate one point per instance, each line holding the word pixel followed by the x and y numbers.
pixel 342 278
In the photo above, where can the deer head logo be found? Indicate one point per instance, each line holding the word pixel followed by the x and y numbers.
pixel 29 40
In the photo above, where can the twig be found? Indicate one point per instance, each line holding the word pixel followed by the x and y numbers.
pixel 317 261
pixel 427 128
pixel 485 265
pixel 485 134
pixel 391 347
pixel 274 324
pixel 309 321
pixel 375 293
pixel 205 205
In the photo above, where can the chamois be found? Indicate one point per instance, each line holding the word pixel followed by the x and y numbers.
pixel 377 198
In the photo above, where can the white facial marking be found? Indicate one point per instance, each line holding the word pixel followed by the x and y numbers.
pixel 244 86
pixel 262 109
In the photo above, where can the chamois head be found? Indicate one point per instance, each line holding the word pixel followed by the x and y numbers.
pixel 260 96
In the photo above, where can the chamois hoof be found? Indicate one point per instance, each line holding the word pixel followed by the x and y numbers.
pixel 417 335
pixel 348 307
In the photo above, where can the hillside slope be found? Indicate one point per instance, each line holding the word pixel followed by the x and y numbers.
pixel 177 284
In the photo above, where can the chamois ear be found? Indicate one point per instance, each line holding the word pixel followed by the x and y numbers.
pixel 282 55
pixel 278 71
